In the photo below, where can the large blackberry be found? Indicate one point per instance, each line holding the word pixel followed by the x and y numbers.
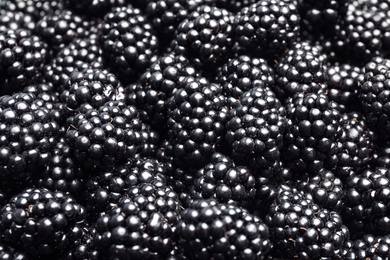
pixel 41 222
pixel 300 69
pixel 207 34
pixel 311 139
pixel 255 128
pixel 15 20
pixel 268 26
pixel 22 57
pixel 208 230
pixel 300 229
pixel 366 204
pixel 104 136
pixel 141 226
pixel 28 133
pixel 128 41
pixel 196 119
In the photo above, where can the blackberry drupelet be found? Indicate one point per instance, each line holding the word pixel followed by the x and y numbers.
pixel 255 128
pixel 366 204
pixel 22 57
pixel 128 41
pixel 103 137
pixel 15 20
pixel 61 28
pixel 368 247
pixel 41 222
pixel 267 27
pixel 196 120
pixel 312 136
pixel 207 34
pixel 208 230
pixel 141 226
pixel 302 69
pixel 301 229
pixel 343 84
pixel 242 73
pixel 28 133
pixel 224 181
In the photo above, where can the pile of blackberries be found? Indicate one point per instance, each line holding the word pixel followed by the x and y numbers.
pixel 195 129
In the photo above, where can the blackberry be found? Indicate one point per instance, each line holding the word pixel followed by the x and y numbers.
pixel 243 73
pixel 141 226
pixel 267 27
pixel 8 252
pixel 28 134
pixel 208 230
pixel 22 57
pixel 196 119
pixel 103 137
pixel 41 222
pixel 207 34
pixel 224 181
pixel 368 247
pixel 93 7
pixel 128 41
pixel 234 5
pixel 81 248
pixel 326 189
pixel 366 203
pixel 255 128
pixel 15 20
pixel 104 190
pixel 343 84
pixel 79 55
pixel 300 69
pixel 299 228
pixel 61 28
pixel 311 139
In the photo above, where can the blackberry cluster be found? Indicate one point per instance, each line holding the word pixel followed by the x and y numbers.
pixel 129 42
pixel 22 57
pixel 374 247
pixel 208 230
pixel 256 127
pixel 41 222
pixel 15 20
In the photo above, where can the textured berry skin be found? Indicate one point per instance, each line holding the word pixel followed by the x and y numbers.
pixel 22 57
pixel 15 20
pixel 103 137
pixel 196 120
pixel 209 230
pixel 268 26
pixel 207 34
pixel 28 134
pixel 234 5
pixel 311 139
pixel 302 69
pixel 129 42
pixel 367 247
pixel 367 202
pixel 141 226
pixel 255 128
pixel 8 252
pixel 300 229
pixel 41 222
pixel 94 8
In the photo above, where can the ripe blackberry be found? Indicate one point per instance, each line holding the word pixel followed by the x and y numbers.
pixel 207 34
pixel 102 137
pixel 104 189
pixel 93 7
pixel 28 133
pixel 61 28
pixel 79 55
pixel 41 222
pixel 82 247
pixel 267 27
pixel 22 57
pixel 141 226
pixel 243 73
pixel 311 139
pixel 224 181
pixel 368 247
pixel 343 84
pixel 255 128
pixel 128 41
pixel 208 230
pixel 300 69
pixel 326 189
pixel 234 5
pixel 366 204
pixel 196 119
pixel 8 252
pixel 15 20
pixel 156 85
pixel 299 228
